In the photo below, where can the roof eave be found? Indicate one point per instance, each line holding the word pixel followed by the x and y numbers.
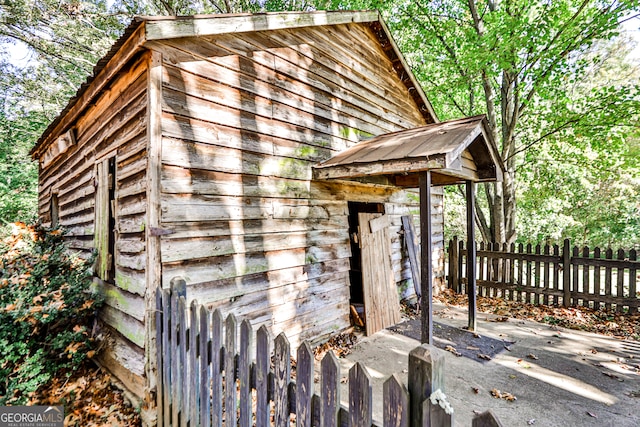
pixel 414 84
pixel 129 44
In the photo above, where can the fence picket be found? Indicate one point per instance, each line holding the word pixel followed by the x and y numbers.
pixel 537 297
pixel 556 274
pixel 244 374
pixel 184 362
pixel 512 272
pixel 566 274
pixel 263 410
pixel 282 374
pixel 360 396
pixel 436 415
pixel 633 256
pixel 576 277
pixel 194 386
pixel 304 382
pixel 620 290
pixel 175 352
pixel 596 278
pixel 608 277
pixel 330 377
pixel 217 365
pixel 520 272
pixel 396 397
pixel 529 284
pixel 426 364
pixel 205 367
pixel 230 390
pixel 486 419
pixel 545 282
pixel 586 286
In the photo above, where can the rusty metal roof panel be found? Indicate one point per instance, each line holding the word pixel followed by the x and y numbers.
pixel 417 143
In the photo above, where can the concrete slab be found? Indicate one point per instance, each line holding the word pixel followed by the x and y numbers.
pixel 572 379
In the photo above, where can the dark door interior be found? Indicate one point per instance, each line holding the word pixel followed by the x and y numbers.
pixel 355 272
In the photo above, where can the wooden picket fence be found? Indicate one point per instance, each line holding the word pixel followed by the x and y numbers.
pixel 551 274
pixel 203 369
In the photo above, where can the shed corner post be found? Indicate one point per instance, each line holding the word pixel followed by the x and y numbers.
pixel 426 264
pixel 471 254
pixel 153 266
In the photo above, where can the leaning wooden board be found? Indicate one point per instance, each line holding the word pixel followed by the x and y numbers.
pixel 381 304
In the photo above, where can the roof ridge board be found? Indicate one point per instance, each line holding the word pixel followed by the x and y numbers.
pixel 195 26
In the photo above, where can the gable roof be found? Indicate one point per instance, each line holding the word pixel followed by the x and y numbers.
pixel 437 147
pixel 143 29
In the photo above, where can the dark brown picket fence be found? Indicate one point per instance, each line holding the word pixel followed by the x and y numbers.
pixel 551 274
pixel 203 369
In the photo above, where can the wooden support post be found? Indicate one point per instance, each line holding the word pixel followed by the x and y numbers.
pixel 426 266
pixel 471 254
pixel 426 367
pixel 566 273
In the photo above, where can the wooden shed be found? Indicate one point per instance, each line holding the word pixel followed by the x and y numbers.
pixel 189 152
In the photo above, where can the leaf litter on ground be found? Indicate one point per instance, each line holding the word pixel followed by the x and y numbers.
pixel 606 322
pixel 89 398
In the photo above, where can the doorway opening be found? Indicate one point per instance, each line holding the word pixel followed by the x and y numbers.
pixel 356 290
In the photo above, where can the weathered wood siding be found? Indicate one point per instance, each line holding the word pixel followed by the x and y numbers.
pixel 245 116
pixel 114 125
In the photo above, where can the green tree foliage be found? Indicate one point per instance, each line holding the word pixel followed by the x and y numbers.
pixel 57 43
pixel 524 64
pixel 546 73
pixel 47 308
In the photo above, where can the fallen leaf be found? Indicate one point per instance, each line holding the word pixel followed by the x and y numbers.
pixel 532 356
pixel 452 350
pixel 476 390
pixel 503 395
pixel 509 397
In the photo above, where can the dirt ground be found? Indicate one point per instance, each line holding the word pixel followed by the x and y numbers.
pixel 545 375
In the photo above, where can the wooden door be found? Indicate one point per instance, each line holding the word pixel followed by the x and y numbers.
pixel 381 305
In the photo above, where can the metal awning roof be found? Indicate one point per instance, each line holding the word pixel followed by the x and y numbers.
pixel 455 151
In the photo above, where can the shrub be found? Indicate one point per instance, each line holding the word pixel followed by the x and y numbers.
pixel 47 307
